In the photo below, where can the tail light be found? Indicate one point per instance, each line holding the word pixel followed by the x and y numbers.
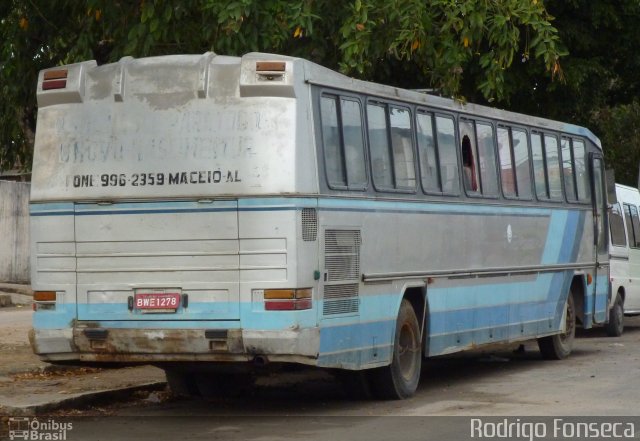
pixel 287 299
pixel 44 300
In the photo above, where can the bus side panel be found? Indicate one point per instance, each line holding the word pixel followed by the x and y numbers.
pixel 464 310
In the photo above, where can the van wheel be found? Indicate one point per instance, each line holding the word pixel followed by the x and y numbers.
pixel 559 346
pixel 400 379
pixel 615 326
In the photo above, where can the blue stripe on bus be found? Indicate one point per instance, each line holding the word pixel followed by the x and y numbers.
pixel 284 204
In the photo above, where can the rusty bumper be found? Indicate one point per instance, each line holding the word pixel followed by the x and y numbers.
pixel 92 343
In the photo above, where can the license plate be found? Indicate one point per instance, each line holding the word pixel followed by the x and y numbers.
pixel 155 302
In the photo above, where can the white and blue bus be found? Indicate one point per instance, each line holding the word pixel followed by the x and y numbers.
pixel 207 213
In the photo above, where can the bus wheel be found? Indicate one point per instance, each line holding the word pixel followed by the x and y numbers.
pixel 558 347
pixel 400 379
pixel 615 326
pixel 181 383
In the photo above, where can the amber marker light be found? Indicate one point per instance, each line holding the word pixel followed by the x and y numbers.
pixel 55 79
pixel 270 66
pixel 44 296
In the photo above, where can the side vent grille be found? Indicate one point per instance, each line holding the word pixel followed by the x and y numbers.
pixel 309 224
pixel 342 263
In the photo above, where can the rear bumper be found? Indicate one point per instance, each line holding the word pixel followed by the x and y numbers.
pixel 95 344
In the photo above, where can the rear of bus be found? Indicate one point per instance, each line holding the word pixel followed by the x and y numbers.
pixel 158 226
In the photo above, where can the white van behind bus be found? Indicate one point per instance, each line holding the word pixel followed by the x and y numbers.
pixel 624 222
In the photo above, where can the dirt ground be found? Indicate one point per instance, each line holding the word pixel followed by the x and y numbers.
pixel 27 381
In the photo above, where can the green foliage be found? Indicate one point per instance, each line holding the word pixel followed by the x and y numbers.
pixel 620 129
pixel 435 42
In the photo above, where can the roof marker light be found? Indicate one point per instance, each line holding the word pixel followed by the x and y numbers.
pixel 270 66
pixel 55 79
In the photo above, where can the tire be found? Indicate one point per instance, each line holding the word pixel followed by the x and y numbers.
pixel 400 379
pixel 181 383
pixel 559 346
pixel 615 325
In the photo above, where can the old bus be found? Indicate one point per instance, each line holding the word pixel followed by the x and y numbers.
pixel 207 213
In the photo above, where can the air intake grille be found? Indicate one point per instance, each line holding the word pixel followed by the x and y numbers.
pixel 309 224
pixel 342 254
pixel 342 263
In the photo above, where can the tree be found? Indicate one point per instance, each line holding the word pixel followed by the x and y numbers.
pixel 412 43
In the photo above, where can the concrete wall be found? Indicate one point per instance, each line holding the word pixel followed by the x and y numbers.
pixel 14 232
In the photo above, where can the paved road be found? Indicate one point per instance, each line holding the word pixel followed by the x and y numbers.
pixel 601 378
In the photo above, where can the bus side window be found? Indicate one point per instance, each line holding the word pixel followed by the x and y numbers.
pixel 522 163
pixel 567 170
pixel 580 169
pixel 353 143
pixel 487 159
pixel 539 172
pixel 343 142
pixel 553 167
pixel 402 147
pixel 446 140
pixel 429 170
pixel 469 153
pixel 378 146
pixel 478 157
pixel 507 172
pixel 618 237
pixel 469 175
pixel 391 147
pixel 331 142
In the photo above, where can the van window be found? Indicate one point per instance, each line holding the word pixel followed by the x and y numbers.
pixel 633 225
pixel 616 223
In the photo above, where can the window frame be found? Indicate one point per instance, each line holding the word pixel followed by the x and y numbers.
pixel 636 238
pixel 433 116
pixel 532 189
pixel 338 97
pixel 479 194
pixel 576 196
pixel 620 213
pixel 543 134
pixel 387 105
